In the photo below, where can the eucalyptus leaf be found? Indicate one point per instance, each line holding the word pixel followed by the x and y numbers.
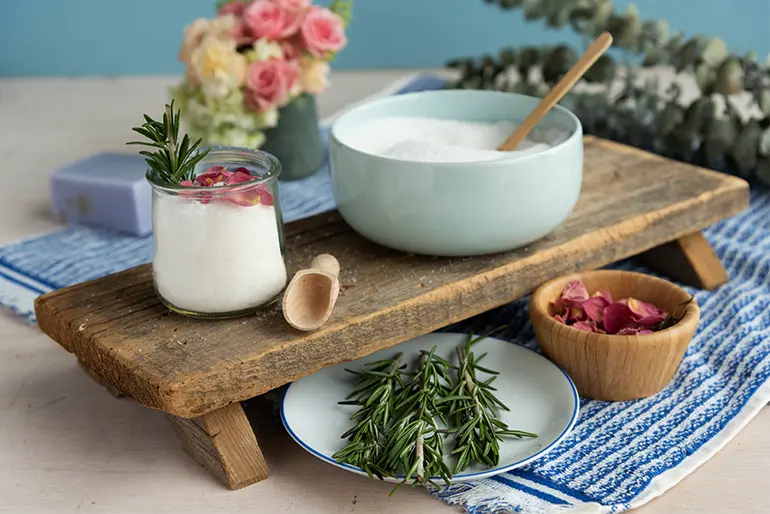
pixel 714 52
pixel 729 78
pixel 764 101
pixel 764 143
pixel 763 171
pixel 745 149
pixel 629 35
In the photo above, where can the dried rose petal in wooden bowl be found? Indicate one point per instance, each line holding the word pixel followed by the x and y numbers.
pixel 621 342
pixel 602 314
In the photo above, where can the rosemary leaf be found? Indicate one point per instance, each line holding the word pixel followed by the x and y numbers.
pixel 473 407
pixel 414 442
pixel 375 395
pixel 172 161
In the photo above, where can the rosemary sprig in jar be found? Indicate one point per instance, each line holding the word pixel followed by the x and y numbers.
pixel 473 410
pixel 376 397
pixel 173 160
pixel 415 443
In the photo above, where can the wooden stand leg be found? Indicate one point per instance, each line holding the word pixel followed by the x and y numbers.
pixel 114 392
pixel 223 442
pixel 690 260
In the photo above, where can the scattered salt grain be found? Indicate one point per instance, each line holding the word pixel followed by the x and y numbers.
pixel 439 140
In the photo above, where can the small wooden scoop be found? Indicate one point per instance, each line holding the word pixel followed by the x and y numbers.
pixel 597 48
pixel 312 293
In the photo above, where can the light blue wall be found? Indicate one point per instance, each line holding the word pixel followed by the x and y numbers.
pixel 123 37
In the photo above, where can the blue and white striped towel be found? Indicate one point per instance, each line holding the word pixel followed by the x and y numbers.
pixel 620 455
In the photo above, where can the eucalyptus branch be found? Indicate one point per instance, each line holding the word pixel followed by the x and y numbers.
pixel 415 442
pixel 172 160
pixel 473 410
pixel 693 131
pixel 375 395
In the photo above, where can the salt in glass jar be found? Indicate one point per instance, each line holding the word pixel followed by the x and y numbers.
pixel 219 249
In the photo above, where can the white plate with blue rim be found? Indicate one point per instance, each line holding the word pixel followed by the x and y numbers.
pixel 540 396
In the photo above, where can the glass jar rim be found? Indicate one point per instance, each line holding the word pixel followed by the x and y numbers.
pixel 268 160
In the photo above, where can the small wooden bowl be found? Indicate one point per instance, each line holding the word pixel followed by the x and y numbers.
pixel 613 367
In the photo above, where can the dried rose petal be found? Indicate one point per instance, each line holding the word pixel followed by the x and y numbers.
pixel 604 294
pixel 239 176
pixel 213 175
pixel 633 331
pixel 574 293
pixel 203 197
pixel 265 198
pixel 646 313
pixel 576 314
pixel 585 326
pixel 560 318
pixel 594 307
pixel 617 316
pixel 246 198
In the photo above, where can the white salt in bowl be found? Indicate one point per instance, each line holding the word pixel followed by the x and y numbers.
pixel 490 203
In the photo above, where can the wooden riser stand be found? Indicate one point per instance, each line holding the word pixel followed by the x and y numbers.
pixel 198 372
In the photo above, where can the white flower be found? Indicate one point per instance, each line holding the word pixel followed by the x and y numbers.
pixel 269 119
pixel 265 49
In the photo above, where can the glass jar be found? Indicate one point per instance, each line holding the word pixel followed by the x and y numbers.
pixel 219 250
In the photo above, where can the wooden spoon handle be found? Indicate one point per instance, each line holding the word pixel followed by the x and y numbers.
pixel 597 48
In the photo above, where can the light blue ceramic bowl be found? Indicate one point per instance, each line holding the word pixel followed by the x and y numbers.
pixel 456 209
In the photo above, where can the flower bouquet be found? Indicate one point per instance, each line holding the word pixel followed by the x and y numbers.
pixel 252 73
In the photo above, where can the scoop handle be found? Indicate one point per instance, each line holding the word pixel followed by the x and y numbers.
pixel 327 263
pixel 591 55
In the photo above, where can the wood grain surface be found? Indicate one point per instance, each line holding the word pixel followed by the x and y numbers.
pixel 689 259
pixel 223 442
pixel 631 201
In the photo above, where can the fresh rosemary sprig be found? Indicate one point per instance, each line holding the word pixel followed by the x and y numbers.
pixel 376 396
pixel 415 443
pixel 472 410
pixel 173 160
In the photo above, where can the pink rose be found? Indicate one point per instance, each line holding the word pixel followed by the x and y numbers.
pixel 269 82
pixel 290 51
pixel 266 19
pixel 322 32
pixel 235 8
pixel 242 34
pixel 293 5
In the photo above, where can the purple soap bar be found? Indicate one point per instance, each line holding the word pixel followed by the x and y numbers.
pixel 107 190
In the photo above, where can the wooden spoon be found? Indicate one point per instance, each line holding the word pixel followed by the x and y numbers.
pixel 310 297
pixel 597 48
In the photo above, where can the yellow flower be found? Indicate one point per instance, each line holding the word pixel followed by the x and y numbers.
pixel 313 75
pixel 221 27
pixel 217 67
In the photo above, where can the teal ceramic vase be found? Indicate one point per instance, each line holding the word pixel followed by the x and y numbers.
pixel 295 141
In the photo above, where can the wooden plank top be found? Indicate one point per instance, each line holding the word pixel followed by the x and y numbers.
pixel 631 201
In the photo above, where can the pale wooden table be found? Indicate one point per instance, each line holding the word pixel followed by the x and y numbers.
pixel 66 445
